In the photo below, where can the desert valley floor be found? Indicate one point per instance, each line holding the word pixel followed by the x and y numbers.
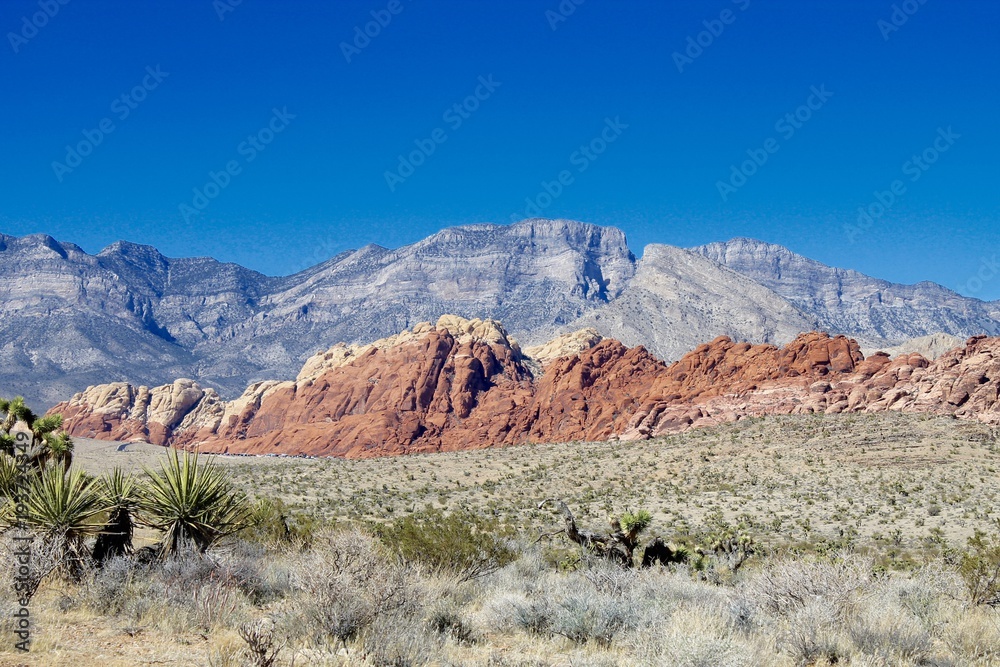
pixel 904 480
pixel 900 489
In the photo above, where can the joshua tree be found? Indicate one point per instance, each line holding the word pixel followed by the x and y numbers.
pixel 120 495
pixel 14 411
pixel 617 546
pixel 47 442
pixel 192 503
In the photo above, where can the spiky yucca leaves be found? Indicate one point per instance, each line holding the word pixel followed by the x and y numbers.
pixel 193 503
pixel 121 496
pixel 10 477
pixel 66 506
pixel 42 426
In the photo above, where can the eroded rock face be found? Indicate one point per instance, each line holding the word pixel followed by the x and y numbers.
pixel 963 382
pixel 119 411
pixel 464 384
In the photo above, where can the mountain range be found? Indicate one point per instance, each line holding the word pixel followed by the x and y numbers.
pixel 69 319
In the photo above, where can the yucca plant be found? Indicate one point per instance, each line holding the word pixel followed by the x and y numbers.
pixel 192 503
pixel 10 477
pixel 64 505
pixel 120 493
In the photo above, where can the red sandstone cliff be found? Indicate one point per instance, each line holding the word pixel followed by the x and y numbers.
pixel 464 384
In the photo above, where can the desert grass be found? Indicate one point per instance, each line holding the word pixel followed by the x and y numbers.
pixel 347 600
pixel 860 522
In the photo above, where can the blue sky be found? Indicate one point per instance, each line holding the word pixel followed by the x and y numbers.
pixel 300 131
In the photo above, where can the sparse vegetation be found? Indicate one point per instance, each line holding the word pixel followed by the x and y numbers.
pixel 772 561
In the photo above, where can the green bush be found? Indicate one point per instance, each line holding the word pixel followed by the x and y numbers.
pixel 272 522
pixel 980 567
pixel 462 543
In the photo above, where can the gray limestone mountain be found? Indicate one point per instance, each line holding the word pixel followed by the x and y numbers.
pixel 844 301
pixel 678 299
pixel 69 319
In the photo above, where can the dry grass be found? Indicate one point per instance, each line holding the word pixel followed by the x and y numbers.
pixel 858 513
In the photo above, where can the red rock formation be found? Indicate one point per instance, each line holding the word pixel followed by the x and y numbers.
pixel 464 385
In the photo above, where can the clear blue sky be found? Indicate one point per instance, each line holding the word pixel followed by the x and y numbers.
pixel 320 186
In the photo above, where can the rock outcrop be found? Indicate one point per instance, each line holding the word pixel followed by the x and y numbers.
pixel 465 384
pixel 119 411
pixel 564 345
pixel 932 346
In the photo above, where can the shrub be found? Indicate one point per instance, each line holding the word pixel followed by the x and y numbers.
pixel 255 572
pixel 811 634
pixel 783 587
pixel 980 567
pixel 112 589
pixel 272 522
pixel 462 543
pixel 397 641
pixel 885 630
pixel 352 583
pixel 690 639
pixel 582 615
pixel 259 638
